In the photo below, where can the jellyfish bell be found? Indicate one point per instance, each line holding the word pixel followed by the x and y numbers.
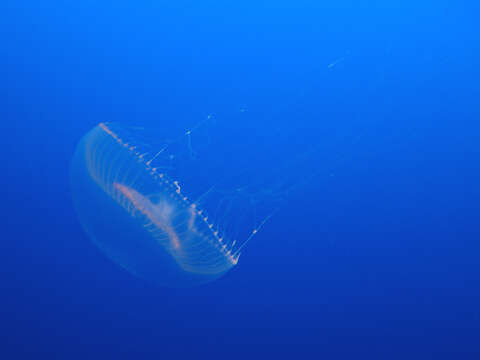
pixel 141 217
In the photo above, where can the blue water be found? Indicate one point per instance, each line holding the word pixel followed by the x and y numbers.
pixel 371 106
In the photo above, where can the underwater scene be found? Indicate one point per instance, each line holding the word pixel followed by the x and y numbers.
pixel 240 179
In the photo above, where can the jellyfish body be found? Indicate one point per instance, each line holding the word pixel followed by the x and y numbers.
pixel 140 217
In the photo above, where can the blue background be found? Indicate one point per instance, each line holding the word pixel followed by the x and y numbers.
pixel 375 256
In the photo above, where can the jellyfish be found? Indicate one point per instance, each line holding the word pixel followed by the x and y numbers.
pixel 141 217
